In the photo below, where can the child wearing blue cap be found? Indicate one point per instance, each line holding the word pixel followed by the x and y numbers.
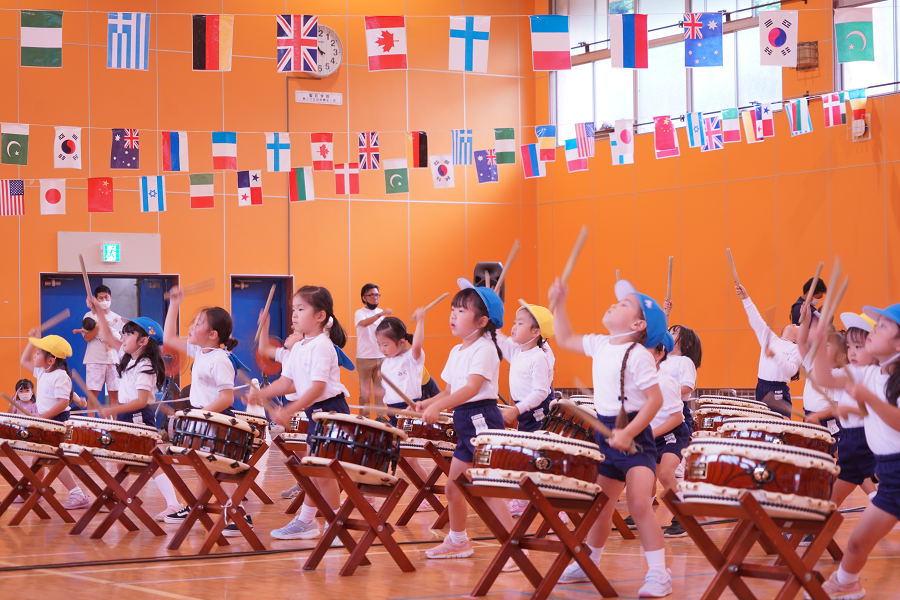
pixel 471 373
pixel 627 397
pixel 879 387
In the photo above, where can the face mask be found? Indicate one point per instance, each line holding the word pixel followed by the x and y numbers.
pixel 26 396
pixel 370 306
pixel 105 304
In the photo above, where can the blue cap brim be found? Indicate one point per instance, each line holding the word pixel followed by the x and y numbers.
pixel 491 300
pixel 657 324
pixel 892 312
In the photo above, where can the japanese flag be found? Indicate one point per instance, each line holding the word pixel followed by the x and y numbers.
pixel 53 196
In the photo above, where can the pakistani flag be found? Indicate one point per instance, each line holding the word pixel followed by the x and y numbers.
pixel 13 144
pixel 396 176
pixel 853 34
pixel 42 38
pixel 505 145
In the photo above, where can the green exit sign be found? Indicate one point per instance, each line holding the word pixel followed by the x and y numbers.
pixel 112 253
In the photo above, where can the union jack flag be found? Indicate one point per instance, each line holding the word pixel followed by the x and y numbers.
pixel 712 127
pixel 369 154
pixel 131 137
pixel 584 137
pixel 693 28
pixel 491 157
pixel 297 38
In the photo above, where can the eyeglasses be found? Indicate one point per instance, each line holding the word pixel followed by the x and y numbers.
pixel 372 296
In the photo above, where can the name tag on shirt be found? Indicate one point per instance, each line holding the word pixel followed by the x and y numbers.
pixel 539 414
pixel 137 418
pixel 832 426
pixel 479 423
pixel 670 438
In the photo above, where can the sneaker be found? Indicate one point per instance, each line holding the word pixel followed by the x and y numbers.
pixel 172 508
pixel 564 517
pixel 657 584
pixel 448 549
pixel 297 530
pixel 231 530
pixel 370 500
pixel 836 591
pixel 807 540
pixel 178 516
pixel 630 522
pixel 291 493
pixel 675 530
pixel 511 565
pixel 517 507
pixel 76 502
pixel 424 505
pixel 573 574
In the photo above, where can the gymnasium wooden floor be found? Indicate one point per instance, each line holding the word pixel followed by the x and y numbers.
pixel 272 576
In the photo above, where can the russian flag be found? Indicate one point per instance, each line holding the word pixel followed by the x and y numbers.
pixel 175 151
pixel 628 37
pixel 533 167
pixel 550 43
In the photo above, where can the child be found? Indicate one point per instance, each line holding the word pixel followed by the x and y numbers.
pixel 625 384
pixel 779 359
pixel 879 387
pixel 46 358
pixel 99 359
pixel 313 372
pixel 471 373
pixel 817 406
pixel 682 364
pixel 24 395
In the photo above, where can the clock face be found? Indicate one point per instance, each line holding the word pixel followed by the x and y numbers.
pixel 331 51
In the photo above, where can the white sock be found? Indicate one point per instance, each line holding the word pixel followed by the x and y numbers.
pixel 680 496
pixel 872 495
pixel 656 559
pixel 76 490
pixel 845 578
pixel 596 553
pixel 166 489
pixel 307 513
pixel 458 537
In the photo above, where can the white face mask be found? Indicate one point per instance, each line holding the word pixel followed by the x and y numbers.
pixel 105 304
pixel 26 395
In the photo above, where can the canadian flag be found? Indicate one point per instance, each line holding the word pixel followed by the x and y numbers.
pixel 346 179
pixel 322 147
pixel 386 43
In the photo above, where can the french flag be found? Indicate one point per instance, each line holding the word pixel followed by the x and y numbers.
pixel 550 43
pixel 175 151
pixel 530 162
pixel 628 38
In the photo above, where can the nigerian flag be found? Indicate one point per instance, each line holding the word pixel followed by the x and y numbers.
pixel 505 145
pixel 853 34
pixel 42 38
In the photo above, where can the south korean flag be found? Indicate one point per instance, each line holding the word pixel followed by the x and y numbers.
pixel 67 148
pixel 778 38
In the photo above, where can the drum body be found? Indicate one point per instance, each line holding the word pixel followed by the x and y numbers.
pixel 709 417
pixel 562 421
pixel 258 423
pixel 561 467
pixel 788 482
pixel 32 435
pixel 114 441
pixel 442 434
pixel 778 431
pixel 225 442
pixel 367 449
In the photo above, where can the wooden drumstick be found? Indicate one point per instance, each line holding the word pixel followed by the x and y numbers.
pixel 832 285
pixel 669 286
pixel 265 313
pixel 512 255
pixel 771 402
pixel 812 290
pixel 487 278
pixel 435 303
pixel 201 286
pixel 594 422
pixel 617 276
pixel 860 404
pixel 87 282
pixel 400 412
pixel 409 402
pixel 582 388
pixel 54 320
pixel 737 281
pixel 14 403
pixel 92 399
pixel 573 257
pixel 827 316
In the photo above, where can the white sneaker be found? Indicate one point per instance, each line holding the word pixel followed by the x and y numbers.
pixel 517 507
pixel 657 584
pixel 297 530
pixel 172 508
pixel 573 574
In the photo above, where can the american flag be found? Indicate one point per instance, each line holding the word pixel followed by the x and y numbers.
pixel 584 136
pixel 713 129
pixel 12 194
pixel 369 155
pixel 297 38
pixel 132 138
pixel 693 28
pixel 491 157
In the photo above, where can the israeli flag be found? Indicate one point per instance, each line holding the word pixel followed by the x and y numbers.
pixel 696 135
pixel 153 194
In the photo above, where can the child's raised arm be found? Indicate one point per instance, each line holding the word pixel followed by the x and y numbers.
pixel 419 333
pixel 759 326
pixel 26 359
pixel 111 340
pixel 170 328
pixel 561 324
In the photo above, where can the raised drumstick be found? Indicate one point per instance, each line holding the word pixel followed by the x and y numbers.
pixel 812 290
pixel 669 285
pixel 832 285
pixel 582 388
pixel 195 288
pixel 87 282
pixel 737 280
pixel 14 403
pixel 403 396
pixel 54 320
pixel 92 399
pixel 487 278
pixel 400 412
pixel 594 422
pixel 828 315
pixel 265 313
pixel 617 275
pixel 771 402
pixel 512 255
pixel 573 257
pixel 860 404
pixel 435 303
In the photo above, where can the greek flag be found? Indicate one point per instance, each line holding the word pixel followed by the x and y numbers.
pixel 462 146
pixel 128 41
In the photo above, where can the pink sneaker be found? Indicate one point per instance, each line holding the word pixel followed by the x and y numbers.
pixel 425 505
pixel 517 507
pixel 76 502
pixel 564 517
pixel 837 591
pixel 448 549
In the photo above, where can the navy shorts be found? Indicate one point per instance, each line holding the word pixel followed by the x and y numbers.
pixel 673 442
pixel 531 420
pixel 144 416
pixel 830 425
pixel 402 405
pixel 618 463
pixel 430 389
pixel 464 418
pixel 856 460
pixel 337 404
pixel 688 417
pixel 61 417
pixel 887 468
pixel 779 389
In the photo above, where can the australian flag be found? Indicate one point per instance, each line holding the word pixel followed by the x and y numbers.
pixel 125 153
pixel 703 40
pixel 297 39
pixel 486 166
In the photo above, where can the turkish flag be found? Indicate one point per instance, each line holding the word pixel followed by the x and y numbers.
pixel 100 194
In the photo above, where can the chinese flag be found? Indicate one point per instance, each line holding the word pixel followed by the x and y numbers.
pixel 100 194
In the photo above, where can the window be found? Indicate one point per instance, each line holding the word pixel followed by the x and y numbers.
pixel 854 75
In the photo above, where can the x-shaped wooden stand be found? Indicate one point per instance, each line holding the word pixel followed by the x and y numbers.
pixel 31 487
pixel 755 525
pixel 290 447
pixel 254 487
pixel 425 488
pixel 571 544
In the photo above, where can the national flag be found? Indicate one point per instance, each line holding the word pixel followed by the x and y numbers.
pixel 532 165
pixel 249 185
pixel 442 170
pixel 297 43
pixel 53 196
pixel 153 194
pixel 175 151
pixel 462 146
pixel 505 145
pixel 67 148
pixel 665 139
pixel 203 194
pixel 584 136
pixel 41 38
pixel 753 124
pixel 100 194
pixel 128 41
pixel 550 46
pixel 13 144
pixel 768 121
pixel 546 142
pixel 301 184
pixel 212 38
pixel 125 150
pixel 858 106
pixel 835 109
pixel 386 43
pixel 469 38
pixel 369 153
pixel 224 147
pixel 853 34
pixel 322 147
pixel 629 46
pixel 731 125
pixel 12 197
pixel 703 40
pixel 417 149
pixel 778 38
pixel 486 166
pixel 574 162
pixel 621 143
pixel 798 116
pixel 396 176
pixel 346 179
pixel 712 133
pixel 278 152
pixel 695 133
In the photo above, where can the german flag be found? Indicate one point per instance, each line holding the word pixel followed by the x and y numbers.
pixel 212 42
pixel 417 149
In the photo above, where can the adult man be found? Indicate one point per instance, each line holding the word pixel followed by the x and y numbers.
pixel 818 294
pixel 368 356
pixel 99 360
